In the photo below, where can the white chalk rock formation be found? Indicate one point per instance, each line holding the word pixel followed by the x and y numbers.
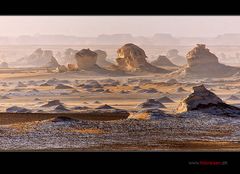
pixel 203 63
pixel 206 101
pixel 132 58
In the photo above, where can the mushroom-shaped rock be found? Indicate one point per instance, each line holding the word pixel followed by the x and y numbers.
pixel 133 58
pixel 86 59
pixel 203 63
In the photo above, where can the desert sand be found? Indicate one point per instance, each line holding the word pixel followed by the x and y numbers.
pixel 131 107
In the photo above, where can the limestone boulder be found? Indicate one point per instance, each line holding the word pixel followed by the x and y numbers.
pixel 86 59
pixel 132 58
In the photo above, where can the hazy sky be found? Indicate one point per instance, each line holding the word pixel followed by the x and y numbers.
pixel 86 26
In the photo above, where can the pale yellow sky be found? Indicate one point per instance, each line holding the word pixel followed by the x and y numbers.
pixel 87 26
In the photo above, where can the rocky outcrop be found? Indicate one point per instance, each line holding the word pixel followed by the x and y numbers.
pixel 39 58
pixel 201 56
pixel 87 61
pixel 175 58
pixel 206 101
pixel 68 56
pixel 163 61
pixel 102 59
pixel 132 58
pixel 203 63
pixel 52 63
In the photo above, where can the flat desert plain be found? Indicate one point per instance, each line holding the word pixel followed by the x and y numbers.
pixel 77 124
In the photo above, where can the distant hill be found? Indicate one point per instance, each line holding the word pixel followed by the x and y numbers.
pixel 119 39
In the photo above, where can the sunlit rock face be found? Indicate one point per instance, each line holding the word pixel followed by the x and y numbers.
pixel 206 101
pixel 102 59
pixel 86 59
pixel 132 58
